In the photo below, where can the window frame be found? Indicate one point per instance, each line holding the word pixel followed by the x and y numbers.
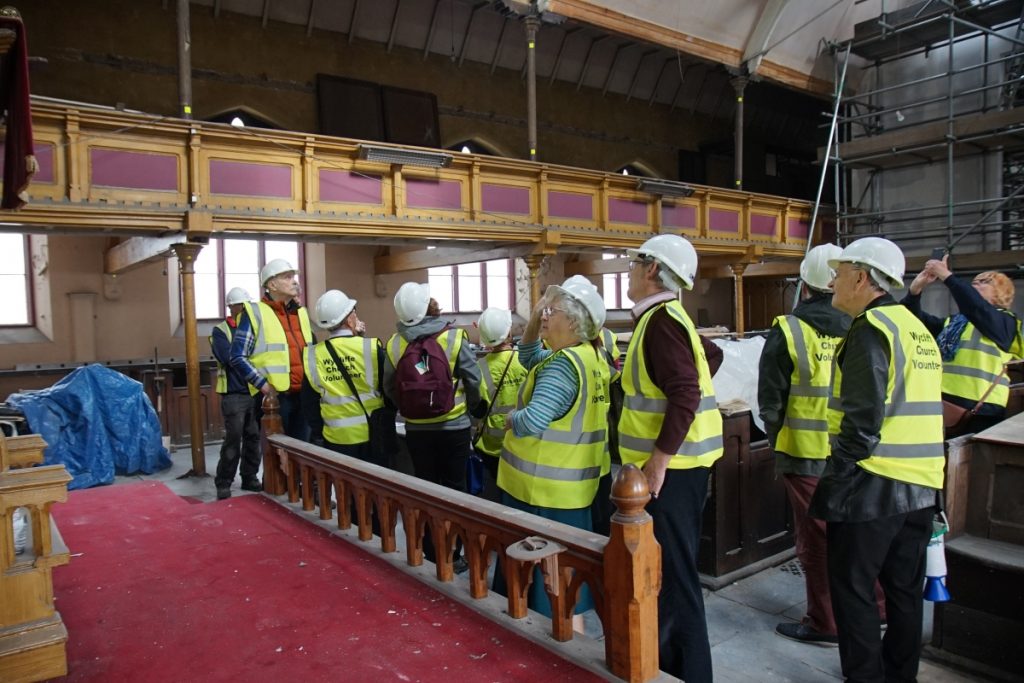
pixel 30 303
pixel 483 275
pixel 261 260
pixel 621 284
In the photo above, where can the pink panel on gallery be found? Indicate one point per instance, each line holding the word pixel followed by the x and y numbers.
pixel 505 198
pixel 570 205
pixel 354 188
pixel 136 170
pixel 249 179
pixel 422 193
pixel 797 228
pixel 44 157
pixel 762 225
pixel 679 216
pixel 627 211
pixel 720 220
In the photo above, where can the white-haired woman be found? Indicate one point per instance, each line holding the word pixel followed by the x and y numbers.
pixel 556 443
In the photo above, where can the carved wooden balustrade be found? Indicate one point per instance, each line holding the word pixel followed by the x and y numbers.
pixel 622 571
pixel 32 635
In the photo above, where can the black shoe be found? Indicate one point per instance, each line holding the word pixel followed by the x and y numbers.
pixel 805 634
pixel 460 565
pixel 252 485
pixel 223 493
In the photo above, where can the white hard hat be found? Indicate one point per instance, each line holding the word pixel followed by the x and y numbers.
pixel 411 302
pixel 494 324
pixel 674 252
pixel 883 259
pixel 237 295
pixel 583 290
pixel 333 307
pixel 814 269
pixel 274 268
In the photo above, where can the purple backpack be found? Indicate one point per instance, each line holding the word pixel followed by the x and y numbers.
pixel 423 380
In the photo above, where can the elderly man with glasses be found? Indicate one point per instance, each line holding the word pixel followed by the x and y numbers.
pixel 670 426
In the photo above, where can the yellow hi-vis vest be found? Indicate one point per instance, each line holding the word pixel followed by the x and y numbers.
pixel 270 355
pixel 344 419
pixel 221 387
pixel 977 364
pixel 910 446
pixel 804 432
pixel 503 401
pixel 561 467
pixel 644 405
pixel 449 340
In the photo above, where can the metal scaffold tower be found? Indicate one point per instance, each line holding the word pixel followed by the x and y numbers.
pixel 929 149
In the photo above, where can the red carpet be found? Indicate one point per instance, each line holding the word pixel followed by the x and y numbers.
pixel 242 590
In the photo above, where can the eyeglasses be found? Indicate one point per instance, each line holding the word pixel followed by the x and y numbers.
pixel 639 262
pixel 982 281
pixel 549 311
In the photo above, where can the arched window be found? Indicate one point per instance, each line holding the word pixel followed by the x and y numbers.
pixel 242 118
pixel 474 147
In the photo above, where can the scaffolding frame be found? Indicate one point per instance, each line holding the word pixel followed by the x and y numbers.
pixel 867 133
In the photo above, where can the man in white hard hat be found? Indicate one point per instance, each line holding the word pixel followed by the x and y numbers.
pixel 878 493
pixel 438 444
pixel 502 374
pixel 792 393
pixel 670 426
pixel 269 343
pixel 241 428
pixel 345 372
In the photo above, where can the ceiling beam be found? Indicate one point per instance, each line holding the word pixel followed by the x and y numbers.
pixel 611 67
pixel 309 20
pixel 430 31
pixel 497 48
pixel 657 83
pixel 353 21
pixel 469 31
pixel 138 251
pixel 561 52
pixel 443 256
pixel 757 42
pixel 586 61
pixel 636 73
pixel 394 25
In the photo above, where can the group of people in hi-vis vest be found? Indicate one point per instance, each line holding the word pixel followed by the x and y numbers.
pixel 851 390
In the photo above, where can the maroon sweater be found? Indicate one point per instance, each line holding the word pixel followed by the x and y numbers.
pixel 668 356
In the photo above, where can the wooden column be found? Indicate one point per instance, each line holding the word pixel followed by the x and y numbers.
pixel 187 253
pixel 632 579
pixel 737 276
pixel 534 262
pixel 274 467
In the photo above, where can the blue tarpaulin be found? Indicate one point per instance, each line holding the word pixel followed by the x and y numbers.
pixel 96 422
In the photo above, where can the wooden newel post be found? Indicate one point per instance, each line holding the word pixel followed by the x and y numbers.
pixel 632 579
pixel 273 477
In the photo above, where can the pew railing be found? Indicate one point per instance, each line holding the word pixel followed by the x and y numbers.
pixel 32 635
pixel 622 571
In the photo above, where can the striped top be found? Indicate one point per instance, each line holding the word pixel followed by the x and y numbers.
pixel 553 393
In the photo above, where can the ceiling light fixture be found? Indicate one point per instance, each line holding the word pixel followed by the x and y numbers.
pixel 405 157
pixel 664 188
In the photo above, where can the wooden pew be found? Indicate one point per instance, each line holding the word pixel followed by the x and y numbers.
pixel 32 634
pixel 623 571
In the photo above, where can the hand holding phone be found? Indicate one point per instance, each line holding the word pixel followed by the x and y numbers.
pixel 938 253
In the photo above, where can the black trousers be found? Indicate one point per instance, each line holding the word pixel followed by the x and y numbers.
pixel 360 451
pixel 241 440
pixel 890 550
pixel 293 417
pixel 683 648
pixel 439 456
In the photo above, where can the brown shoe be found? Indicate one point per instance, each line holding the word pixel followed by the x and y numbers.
pixel 803 633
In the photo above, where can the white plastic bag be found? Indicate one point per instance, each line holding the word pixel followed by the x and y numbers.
pixel 20 530
pixel 737 378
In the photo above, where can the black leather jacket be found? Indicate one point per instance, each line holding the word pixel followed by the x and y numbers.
pixel 776 370
pixel 846 491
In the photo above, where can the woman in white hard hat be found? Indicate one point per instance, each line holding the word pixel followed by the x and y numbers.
pixel 556 444
pixel 501 374
pixel 976 343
